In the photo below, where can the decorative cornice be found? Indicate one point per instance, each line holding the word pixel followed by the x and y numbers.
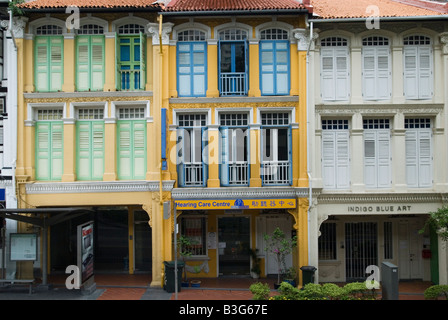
pixel 342 198
pixel 432 108
pixel 239 193
pixel 97 187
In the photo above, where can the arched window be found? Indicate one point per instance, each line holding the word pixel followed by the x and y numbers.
pixel 418 67
pixel 335 69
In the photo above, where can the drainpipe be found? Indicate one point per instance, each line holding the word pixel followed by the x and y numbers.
pixel 308 136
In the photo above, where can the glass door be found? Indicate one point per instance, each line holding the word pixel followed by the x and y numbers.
pixel 234 244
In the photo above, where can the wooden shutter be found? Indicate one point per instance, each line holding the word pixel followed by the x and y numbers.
pixel 225 156
pixel 369 73
pixel 43 151
pixel 90 150
pixel 411 73
pixel 267 67
pixel 124 150
pixel 328 75
pixel 328 159
pixel 383 73
pixel 56 63
pixel 83 72
pixel 281 67
pixel 139 149
pixel 42 64
pixel 425 87
pixel 97 63
pixel 180 157
pixel 383 142
pixel 336 159
pixel 342 74
pixel 184 83
pixel 370 171
pixel 83 168
pixel 199 69
pixel 418 158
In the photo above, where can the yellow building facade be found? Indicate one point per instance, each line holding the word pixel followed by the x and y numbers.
pixel 156 120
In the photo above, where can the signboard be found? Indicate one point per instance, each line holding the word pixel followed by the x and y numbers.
pixel 23 246
pixel 85 250
pixel 235 204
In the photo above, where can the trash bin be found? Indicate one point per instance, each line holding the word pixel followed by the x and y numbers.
pixel 168 281
pixel 308 274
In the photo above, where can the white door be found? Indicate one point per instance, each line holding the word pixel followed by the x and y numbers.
pixel 410 244
pixel 284 223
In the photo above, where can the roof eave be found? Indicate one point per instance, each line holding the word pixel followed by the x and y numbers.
pixel 233 12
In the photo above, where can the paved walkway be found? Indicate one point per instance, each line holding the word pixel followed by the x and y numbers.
pixel 137 287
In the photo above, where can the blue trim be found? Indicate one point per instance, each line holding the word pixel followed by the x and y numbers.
pixel 275 65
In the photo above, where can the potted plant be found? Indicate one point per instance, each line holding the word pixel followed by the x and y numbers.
pixel 280 246
pixel 255 271
pixel 290 276
pixel 184 249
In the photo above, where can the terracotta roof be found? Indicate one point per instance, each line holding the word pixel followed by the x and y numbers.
pixel 232 5
pixel 53 4
pixel 328 9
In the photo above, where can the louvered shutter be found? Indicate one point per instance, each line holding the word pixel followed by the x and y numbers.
pixel 411 73
pixel 198 71
pixel 124 149
pixel 370 170
pixel 328 75
pixel 225 155
pixel 411 158
pixel 142 61
pixel 184 69
pixel 342 84
pixel 342 159
pixel 369 73
pixel 180 157
pixel 83 72
pixel 42 64
pixel 328 159
pixel 425 72
pixel 267 67
pixel 383 74
pixel 97 150
pixel 43 151
pixel 281 67
pixel 383 142
pixel 56 63
pixel 97 63
pixel 84 164
pixel 425 159
pixel 139 149
pixel 204 155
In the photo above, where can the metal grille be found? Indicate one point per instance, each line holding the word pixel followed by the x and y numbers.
pixel 388 243
pixel 195 228
pixel 333 42
pixel 274 34
pixel 361 249
pixel 191 35
pixel 417 40
pixel 131 29
pixel 327 241
pixel 48 30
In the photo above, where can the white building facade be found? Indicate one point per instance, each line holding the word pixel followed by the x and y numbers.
pixel 378 141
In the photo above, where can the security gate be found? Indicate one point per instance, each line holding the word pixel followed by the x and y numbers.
pixel 361 249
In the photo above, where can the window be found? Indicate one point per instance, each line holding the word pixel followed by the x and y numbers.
pixel 418 73
pixel 90 144
pixel 195 228
pixel 388 240
pixel 90 58
pixel 335 66
pixel 233 62
pixel 49 144
pixel 335 154
pixel 131 144
pixel 418 152
pixel 191 64
pixel 49 63
pixel 192 139
pixel 377 153
pixel 276 148
pixel 376 68
pixel 234 149
pixel 274 62
pixel 131 57
pixel 327 242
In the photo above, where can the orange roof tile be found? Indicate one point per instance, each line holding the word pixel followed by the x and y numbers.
pixel 232 5
pixel 328 9
pixel 41 4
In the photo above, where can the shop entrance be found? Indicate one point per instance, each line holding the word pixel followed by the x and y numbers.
pixel 234 244
pixel 409 242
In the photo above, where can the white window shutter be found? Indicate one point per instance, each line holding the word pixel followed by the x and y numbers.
pixel 425 72
pixel 425 159
pixel 370 170
pixel 342 85
pixel 342 159
pixel 369 73
pixel 383 80
pixel 384 177
pixel 225 155
pixel 328 159
pixel 410 73
pixel 411 158
pixel 328 75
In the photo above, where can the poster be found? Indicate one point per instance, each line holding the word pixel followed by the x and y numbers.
pixel 85 250
pixel 23 246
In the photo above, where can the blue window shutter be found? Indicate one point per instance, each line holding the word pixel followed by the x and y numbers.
pixel 180 157
pixel 204 135
pixel 290 153
pixel 224 161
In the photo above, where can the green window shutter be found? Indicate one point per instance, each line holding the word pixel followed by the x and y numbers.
pixel 90 155
pixel 97 63
pixel 49 150
pixel 82 72
pixel 56 63
pixel 142 60
pixel 42 64
pixel 131 149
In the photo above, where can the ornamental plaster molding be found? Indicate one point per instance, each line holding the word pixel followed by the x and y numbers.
pixel 379 109
pixel 444 41
pixel 303 38
pixel 153 30
pixel 97 187
pixel 380 198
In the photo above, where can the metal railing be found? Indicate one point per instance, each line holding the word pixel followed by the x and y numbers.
pixel 275 172
pixel 193 174
pixel 130 79
pixel 233 83
pixel 238 173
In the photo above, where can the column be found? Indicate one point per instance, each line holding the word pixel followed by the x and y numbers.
pixel 109 63
pixel 212 68
pixel 255 156
pixel 254 66
pixel 399 153
pixel 357 154
pixel 69 63
pixel 356 77
pixel 69 150
pixel 110 142
pixel 213 156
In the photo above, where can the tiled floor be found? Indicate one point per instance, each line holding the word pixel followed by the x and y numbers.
pixel 133 287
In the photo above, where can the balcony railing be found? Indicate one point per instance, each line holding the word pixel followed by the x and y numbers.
pixel 130 79
pixel 193 174
pixel 238 173
pixel 275 172
pixel 233 84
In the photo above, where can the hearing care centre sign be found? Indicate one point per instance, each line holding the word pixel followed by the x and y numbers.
pixel 236 204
